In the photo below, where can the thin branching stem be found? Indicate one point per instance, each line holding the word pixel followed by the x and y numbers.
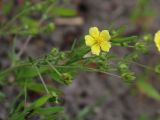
pixel 97 70
pixel 142 65
pixel 50 64
pixel 41 78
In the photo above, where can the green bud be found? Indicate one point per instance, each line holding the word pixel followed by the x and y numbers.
pixel 54 51
pixel 124 44
pixel 103 66
pixel 49 28
pixel 147 38
pixel 62 55
pixel 122 67
pixel 135 56
pixel 54 97
pixel 128 76
pixel 67 78
pixel 141 47
pixel 54 94
pixel 103 56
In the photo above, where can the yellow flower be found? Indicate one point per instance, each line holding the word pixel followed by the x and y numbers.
pixel 98 40
pixel 157 40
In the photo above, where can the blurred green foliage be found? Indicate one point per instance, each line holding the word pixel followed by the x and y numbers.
pixel 62 67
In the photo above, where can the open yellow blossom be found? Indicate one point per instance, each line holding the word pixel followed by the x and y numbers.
pixel 157 40
pixel 98 40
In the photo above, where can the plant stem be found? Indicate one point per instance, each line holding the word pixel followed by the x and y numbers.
pixel 97 70
pixel 41 78
pixel 141 65
pixel 53 68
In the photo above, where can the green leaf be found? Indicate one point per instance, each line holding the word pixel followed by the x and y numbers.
pixel 30 25
pixel 6 7
pixel 29 72
pixel 49 110
pixel 14 107
pixel 38 87
pixel 18 116
pixel 73 45
pixel 78 54
pixel 124 40
pixel 66 76
pixel 148 89
pixel 118 32
pixel 41 101
pixel 55 76
pixel 128 76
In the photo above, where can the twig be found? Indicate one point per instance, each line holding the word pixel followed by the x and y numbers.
pixel 96 70
pixel 24 46
pixel 53 68
pixel 41 78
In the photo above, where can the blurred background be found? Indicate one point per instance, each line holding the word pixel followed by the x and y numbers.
pixel 109 97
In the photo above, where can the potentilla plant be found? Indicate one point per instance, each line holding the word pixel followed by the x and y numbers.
pixel 91 54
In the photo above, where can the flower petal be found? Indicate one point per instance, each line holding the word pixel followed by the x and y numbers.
pixel 105 46
pixel 95 49
pixel 104 35
pixel 94 32
pixel 157 40
pixel 89 40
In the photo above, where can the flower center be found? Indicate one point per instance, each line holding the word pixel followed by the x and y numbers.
pixel 98 41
